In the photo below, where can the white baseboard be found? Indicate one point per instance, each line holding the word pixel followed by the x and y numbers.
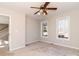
pixel 77 48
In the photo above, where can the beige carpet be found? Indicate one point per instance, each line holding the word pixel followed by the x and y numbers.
pixel 4 52
pixel 41 49
pixel 45 49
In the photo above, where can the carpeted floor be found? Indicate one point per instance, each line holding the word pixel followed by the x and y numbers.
pixel 45 49
pixel 4 52
pixel 41 49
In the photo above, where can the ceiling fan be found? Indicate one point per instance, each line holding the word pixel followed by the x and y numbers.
pixel 44 8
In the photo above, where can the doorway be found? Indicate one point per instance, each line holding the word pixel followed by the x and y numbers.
pixel 4 32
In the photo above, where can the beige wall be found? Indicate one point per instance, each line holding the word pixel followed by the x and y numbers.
pixel 74 29
pixel 32 29
pixel 16 28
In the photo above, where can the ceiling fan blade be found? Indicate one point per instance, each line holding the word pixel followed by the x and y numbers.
pixel 36 12
pixel 51 8
pixel 36 7
pixel 45 5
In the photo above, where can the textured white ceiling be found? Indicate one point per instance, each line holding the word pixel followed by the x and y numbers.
pixel 24 7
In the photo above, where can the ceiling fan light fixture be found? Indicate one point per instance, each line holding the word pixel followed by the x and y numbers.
pixel 44 14
pixel 40 12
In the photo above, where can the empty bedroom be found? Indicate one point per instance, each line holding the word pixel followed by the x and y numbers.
pixel 41 28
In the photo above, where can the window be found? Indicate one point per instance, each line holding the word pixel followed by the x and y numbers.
pixel 62 28
pixel 44 29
